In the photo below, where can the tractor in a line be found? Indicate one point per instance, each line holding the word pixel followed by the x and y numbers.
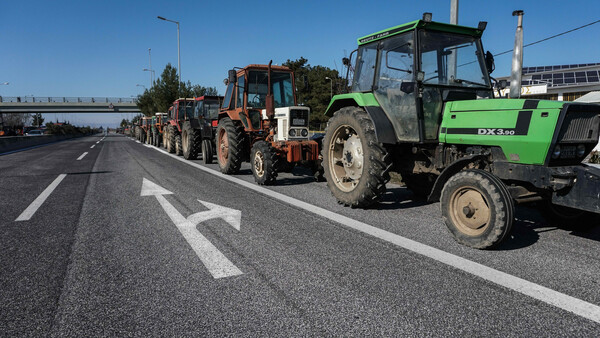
pixel 422 104
pixel 261 122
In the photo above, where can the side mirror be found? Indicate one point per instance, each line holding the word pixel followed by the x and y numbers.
pixel 420 76
pixel 231 76
pixel 346 62
pixel 489 62
pixel 502 84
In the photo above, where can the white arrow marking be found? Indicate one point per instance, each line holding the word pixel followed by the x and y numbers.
pixel 216 263
pixel 231 216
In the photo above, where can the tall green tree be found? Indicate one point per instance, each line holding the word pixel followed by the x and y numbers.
pixel 167 89
pixel 314 89
pixel 37 119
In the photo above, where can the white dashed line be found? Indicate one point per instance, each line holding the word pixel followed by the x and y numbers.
pixel 536 291
pixel 37 203
pixel 93 145
pixel 82 156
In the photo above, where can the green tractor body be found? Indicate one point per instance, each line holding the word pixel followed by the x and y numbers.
pixel 422 104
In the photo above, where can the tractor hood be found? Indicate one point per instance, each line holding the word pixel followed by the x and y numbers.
pixel 503 104
pixel 524 129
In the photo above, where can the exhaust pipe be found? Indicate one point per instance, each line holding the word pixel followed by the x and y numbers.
pixel 517 60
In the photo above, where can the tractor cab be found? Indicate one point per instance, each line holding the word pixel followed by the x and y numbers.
pixel 410 71
pixel 182 109
pixel 249 100
pixel 206 109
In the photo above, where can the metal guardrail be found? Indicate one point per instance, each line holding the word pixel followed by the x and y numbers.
pixel 42 99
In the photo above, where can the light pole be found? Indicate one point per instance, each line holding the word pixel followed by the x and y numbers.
pixel 151 72
pixel 4 83
pixel 140 85
pixel 151 75
pixel 178 49
pixel 330 86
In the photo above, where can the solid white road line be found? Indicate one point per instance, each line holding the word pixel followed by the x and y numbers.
pixel 93 145
pixel 539 292
pixel 37 203
pixel 82 156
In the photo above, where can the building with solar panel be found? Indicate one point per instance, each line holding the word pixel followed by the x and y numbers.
pixel 563 83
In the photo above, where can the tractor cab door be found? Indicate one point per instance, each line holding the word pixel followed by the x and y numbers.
pixel 394 86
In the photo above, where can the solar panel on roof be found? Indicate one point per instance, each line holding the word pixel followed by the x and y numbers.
pixel 570 74
pixel 570 80
pixel 593 79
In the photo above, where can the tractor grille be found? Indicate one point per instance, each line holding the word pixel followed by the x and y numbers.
pixel 580 127
pixel 299 118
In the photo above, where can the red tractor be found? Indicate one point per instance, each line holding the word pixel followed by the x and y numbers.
pixel 191 127
pixel 260 121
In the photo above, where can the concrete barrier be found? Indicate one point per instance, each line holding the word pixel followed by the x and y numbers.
pixel 12 143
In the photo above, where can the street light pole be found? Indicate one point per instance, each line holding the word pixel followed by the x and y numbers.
pixel 330 86
pixel 178 48
pixel 151 72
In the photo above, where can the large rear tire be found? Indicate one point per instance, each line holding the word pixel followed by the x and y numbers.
pixel 191 142
pixel 230 146
pixel 178 147
pixel 172 139
pixel 207 151
pixel 477 208
pixel 355 165
pixel 263 162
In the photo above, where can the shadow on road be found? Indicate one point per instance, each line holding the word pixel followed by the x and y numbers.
pixel 90 172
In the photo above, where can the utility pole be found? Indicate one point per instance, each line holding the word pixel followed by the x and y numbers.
pixel 517 60
pixel 452 59
pixel 151 73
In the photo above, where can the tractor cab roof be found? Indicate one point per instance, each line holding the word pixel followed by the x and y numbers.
pixel 264 67
pixel 439 26
pixel 208 97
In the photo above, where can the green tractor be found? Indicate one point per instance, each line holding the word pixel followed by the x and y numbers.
pixel 422 104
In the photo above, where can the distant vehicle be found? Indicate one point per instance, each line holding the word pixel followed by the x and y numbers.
pixel 35 132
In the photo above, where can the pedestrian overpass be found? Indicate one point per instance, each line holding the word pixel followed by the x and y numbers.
pixel 35 104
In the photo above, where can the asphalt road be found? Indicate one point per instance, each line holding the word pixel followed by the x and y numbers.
pixel 96 258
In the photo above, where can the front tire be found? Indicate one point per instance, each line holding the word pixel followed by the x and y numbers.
pixel 477 208
pixel 230 146
pixel 172 139
pixel 355 165
pixel 263 163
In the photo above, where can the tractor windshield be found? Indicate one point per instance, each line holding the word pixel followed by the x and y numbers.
pixel 281 86
pixel 209 109
pixel 452 60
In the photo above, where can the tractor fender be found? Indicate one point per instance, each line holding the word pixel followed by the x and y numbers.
pixel 450 171
pixel 384 131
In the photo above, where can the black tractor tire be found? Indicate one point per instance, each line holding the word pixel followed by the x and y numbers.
pixel 207 151
pixel 178 147
pixel 360 180
pixel 172 139
pixel 231 144
pixel 419 184
pixel 477 208
pixel 191 142
pixel 263 161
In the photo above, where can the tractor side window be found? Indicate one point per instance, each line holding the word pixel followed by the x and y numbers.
pixel 198 109
pixel 240 91
pixel 227 99
pixel 365 68
pixel 395 87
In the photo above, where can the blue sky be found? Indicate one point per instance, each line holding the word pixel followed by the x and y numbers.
pixel 99 48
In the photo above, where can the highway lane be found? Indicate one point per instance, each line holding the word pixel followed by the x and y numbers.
pixel 34 253
pixel 132 272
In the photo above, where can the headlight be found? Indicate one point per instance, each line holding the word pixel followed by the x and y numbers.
pixel 292 132
pixel 580 150
pixel 556 152
pixel 304 132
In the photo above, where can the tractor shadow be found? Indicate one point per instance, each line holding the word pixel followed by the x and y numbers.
pixel 398 198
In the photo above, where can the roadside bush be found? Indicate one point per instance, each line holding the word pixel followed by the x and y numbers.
pixel 595 157
pixel 67 129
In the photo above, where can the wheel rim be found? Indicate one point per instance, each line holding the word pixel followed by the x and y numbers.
pixel 346 158
pixel 223 146
pixel 470 211
pixel 259 164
